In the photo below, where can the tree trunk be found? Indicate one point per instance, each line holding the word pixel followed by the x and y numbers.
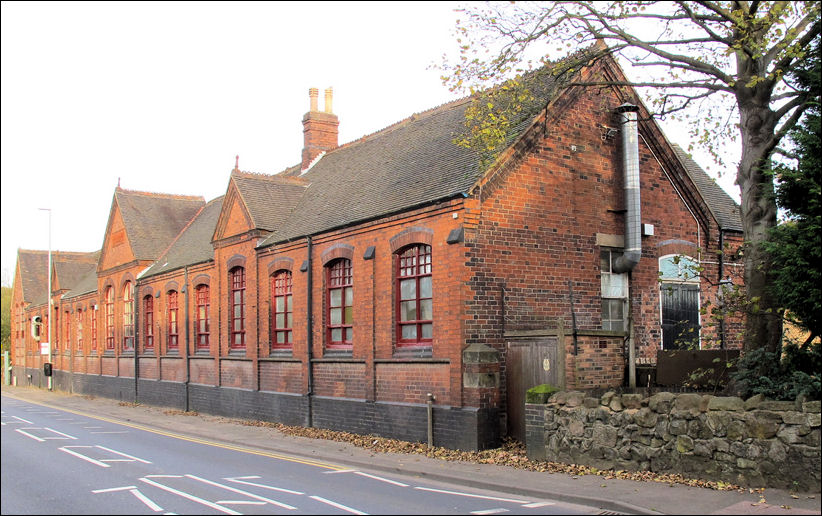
pixel 763 323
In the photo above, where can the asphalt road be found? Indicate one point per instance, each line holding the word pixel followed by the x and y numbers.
pixel 62 462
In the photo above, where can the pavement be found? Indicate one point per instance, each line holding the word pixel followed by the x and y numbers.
pixel 609 495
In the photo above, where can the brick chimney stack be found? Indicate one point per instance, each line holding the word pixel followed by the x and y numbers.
pixel 319 128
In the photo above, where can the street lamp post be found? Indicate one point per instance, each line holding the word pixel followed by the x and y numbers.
pixel 50 314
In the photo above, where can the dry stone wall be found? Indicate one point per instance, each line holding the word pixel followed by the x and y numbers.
pixel 753 443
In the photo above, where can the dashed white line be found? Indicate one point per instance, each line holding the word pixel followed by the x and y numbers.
pixel 337 505
pixel 59 433
pixel 490 511
pixel 241 480
pixel 457 493
pixel 381 479
pixel 81 456
pixel 143 498
pixel 114 489
pixel 190 497
pixel 123 454
pixel 538 504
pixel 240 491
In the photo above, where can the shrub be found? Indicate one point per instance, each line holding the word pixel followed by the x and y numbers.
pixel 795 373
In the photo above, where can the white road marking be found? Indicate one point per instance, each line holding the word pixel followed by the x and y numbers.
pixel 124 455
pixel 80 455
pixel 41 439
pixel 538 504
pixel 490 511
pixel 381 479
pixel 23 420
pixel 190 497
pixel 58 433
pixel 240 481
pixel 101 462
pixel 246 493
pixel 114 489
pixel 91 427
pixel 143 498
pixel 339 471
pixel 337 505
pixel 457 493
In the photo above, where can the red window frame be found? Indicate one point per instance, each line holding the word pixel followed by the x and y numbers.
pixel 237 307
pixel 282 311
pixel 414 296
pixel 339 302
pixel 67 325
pixel 202 329
pixel 94 330
pixel 128 317
pixel 80 330
pixel 173 322
pixel 110 319
pixel 148 322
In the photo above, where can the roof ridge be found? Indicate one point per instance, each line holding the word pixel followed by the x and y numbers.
pixel 270 177
pixel 181 197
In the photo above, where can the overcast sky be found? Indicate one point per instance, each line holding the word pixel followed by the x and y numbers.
pixel 160 97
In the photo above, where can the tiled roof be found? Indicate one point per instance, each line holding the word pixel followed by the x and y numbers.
pixel 724 209
pixel 268 198
pixel 70 267
pixel 152 220
pixel 193 245
pixel 86 284
pixel 69 270
pixel 410 163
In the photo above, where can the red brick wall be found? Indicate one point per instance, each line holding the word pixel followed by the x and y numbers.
pixel 341 380
pixel 537 219
pixel 411 383
pixel 281 376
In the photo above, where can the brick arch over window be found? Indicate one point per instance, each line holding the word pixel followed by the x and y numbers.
pixel 413 235
pixel 282 263
pixel 237 260
pixel 127 277
pixel 337 251
pixel 201 279
pixel 171 285
pixel 146 290
pixel 677 246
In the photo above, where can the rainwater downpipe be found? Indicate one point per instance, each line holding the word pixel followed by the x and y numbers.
pixel 310 330
pixel 633 217
pixel 188 336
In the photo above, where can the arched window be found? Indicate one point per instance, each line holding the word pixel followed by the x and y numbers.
pixel 679 302
pixel 281 312
pixel 415 312
pixel 67 324
pixel 148 323
pixel 339 305
pixel 202 329
pixel 79 330
pixel 237 306
pixel 94 330
pixel 110 319
pixel 128 317
pixel 173 335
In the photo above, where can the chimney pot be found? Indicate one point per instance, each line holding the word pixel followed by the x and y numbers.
pixel 313 94
pixel 329 92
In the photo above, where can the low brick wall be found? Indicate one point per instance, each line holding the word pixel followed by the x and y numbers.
pixel 753 443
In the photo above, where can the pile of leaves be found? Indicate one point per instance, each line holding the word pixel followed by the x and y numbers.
pixel 511 453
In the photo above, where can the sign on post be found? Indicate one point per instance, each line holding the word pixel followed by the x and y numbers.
pixel 44 348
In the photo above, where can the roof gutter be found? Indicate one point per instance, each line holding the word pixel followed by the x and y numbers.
pixel 633 213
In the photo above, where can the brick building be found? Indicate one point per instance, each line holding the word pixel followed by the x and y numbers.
pixel 354 288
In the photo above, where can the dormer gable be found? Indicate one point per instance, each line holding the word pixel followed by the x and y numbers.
pixel 141 225
pixel 234 217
